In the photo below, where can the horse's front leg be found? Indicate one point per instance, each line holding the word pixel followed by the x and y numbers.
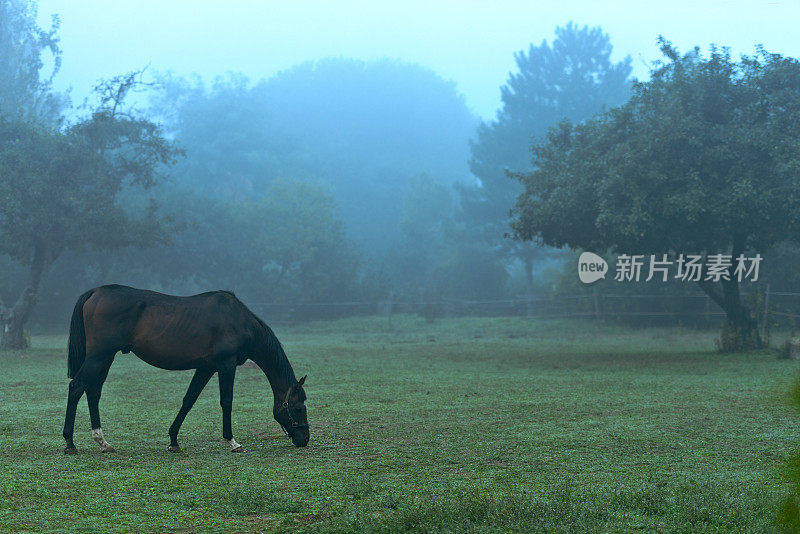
pixel 226 377
pixel 199 381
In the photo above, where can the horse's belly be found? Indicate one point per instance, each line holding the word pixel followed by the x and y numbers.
pixel 170 360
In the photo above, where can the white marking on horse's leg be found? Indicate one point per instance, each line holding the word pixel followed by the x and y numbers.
pixel 234 445
pixel 97 435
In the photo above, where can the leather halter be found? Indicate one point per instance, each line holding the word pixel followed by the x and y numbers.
pixel 285 406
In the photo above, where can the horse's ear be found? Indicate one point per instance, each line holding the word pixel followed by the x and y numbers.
pixel 300 382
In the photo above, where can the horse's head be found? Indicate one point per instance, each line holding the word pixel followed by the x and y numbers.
pixel 290 413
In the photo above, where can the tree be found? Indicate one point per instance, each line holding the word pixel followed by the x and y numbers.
pixel 362 128
pixel 703 159
pixel 234 144
pixel 24 95
pixel 573 78
pixel 285 247
pixel 426 225
pixel 59 190
pixel 299 245
pixel 437 258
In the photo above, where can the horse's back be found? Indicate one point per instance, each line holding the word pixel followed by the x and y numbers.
pixel 166 331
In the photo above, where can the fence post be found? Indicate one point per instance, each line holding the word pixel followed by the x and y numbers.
pixel 390 307
pixel 765 317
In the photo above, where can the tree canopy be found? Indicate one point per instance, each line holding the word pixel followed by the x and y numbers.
pixel 703 159
pixel 571 78
pixel 60 184
pixel 361 128
pixel 25 94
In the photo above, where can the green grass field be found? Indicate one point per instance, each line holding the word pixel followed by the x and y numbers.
pixel 469 425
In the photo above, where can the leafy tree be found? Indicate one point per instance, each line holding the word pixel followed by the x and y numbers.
pixel 437 258
pixel 234 144
pixel 704 158
pixel 426 222
pixel 572 78
pixel 285 247
pixel 59 190
pixel 299 243
pixel 362 128
pixel 24 94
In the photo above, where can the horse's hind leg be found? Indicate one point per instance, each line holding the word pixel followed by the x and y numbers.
pixel 76 390
pixel 89 379
pixel 95 371
pixel 199 381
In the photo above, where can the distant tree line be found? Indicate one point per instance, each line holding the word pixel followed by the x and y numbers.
pixel 343 180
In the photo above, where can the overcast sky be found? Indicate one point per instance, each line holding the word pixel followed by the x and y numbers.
pixel 467 41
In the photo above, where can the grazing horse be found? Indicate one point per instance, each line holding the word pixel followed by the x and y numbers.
pixel 212 333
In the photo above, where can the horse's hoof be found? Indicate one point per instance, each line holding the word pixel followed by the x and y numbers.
pixel 174 448
pixel 239 449
pixel 108 449
pixel 70 450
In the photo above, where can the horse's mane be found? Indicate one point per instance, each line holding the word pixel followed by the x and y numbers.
pixel 275 349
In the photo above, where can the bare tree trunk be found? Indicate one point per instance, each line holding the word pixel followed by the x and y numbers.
pixel 14 319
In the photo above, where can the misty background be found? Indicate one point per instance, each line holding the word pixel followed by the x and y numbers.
pixel 348 158
pixel 471 43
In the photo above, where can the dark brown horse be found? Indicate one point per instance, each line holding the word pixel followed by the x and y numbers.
pixel 211 333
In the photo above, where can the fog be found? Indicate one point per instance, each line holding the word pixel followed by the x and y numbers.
pixel 537 260
pixel 320 159
pixel 471 43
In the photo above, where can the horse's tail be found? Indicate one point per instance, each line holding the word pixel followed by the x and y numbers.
pixel 76 353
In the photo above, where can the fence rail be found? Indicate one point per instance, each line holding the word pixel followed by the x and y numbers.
pixel 771 307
